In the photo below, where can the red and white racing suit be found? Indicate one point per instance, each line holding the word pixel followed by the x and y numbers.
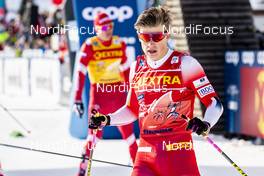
pixel 161 91
pixel 107 67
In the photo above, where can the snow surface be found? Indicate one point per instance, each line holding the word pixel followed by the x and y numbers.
pixel 48 123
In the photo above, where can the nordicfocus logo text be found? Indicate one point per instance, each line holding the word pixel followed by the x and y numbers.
pixel 115 13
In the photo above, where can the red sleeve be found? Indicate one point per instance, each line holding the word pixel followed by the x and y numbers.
pixel 84 54
pixel 196 79
pixel 124 64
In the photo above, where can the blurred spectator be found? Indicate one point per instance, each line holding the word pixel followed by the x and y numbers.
pixel 4 35
pixel 13 30
pixel 63 49
pixel 16 34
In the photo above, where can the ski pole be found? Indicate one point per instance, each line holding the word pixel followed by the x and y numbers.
pixel 89 163
pixel 62 154
pixel 220 151
pixel 225 156
pixel 15 119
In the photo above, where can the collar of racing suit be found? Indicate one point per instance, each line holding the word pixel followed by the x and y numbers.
pixel 158 63
pixel 106 42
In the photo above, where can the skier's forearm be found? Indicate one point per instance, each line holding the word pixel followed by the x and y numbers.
pixel 123 116
pixel 213 111
pixel 79 86
pixel 80 77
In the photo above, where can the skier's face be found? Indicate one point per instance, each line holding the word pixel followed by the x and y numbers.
pixel 153 41
pixel 105 32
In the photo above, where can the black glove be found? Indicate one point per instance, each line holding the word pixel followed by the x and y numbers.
pixel 78 108
pixel 198 126
pixel 99 121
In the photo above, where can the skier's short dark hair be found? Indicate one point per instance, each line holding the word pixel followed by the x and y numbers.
pixel 153 16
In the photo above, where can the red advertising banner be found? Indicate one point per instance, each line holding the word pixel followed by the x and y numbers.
pixel 252 101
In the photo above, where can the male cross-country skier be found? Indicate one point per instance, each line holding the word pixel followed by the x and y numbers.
pixel 104 57
pixel 164 83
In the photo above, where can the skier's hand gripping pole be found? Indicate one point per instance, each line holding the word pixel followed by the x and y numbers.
pixel 204 132
pixel 89 163
pixel 198 126
pixel 98 121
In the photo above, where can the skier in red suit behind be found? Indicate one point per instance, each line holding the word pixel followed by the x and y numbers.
pixel 164 84
pixel 104 58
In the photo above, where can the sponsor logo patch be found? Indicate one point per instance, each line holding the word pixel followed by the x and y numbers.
pixel 200 82
pixel 164 130
pixel 174 60
pixel 117 41
pixel 141 96
pixel 95 43
pixel 206 90
pixel 141 63
pixel 177 146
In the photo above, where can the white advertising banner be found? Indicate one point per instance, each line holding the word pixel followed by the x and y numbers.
pixel 16 80
pixel 45 79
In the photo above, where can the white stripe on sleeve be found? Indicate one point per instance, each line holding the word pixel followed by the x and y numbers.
pixel 122 116
pixel 213 112
pixel 82 68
